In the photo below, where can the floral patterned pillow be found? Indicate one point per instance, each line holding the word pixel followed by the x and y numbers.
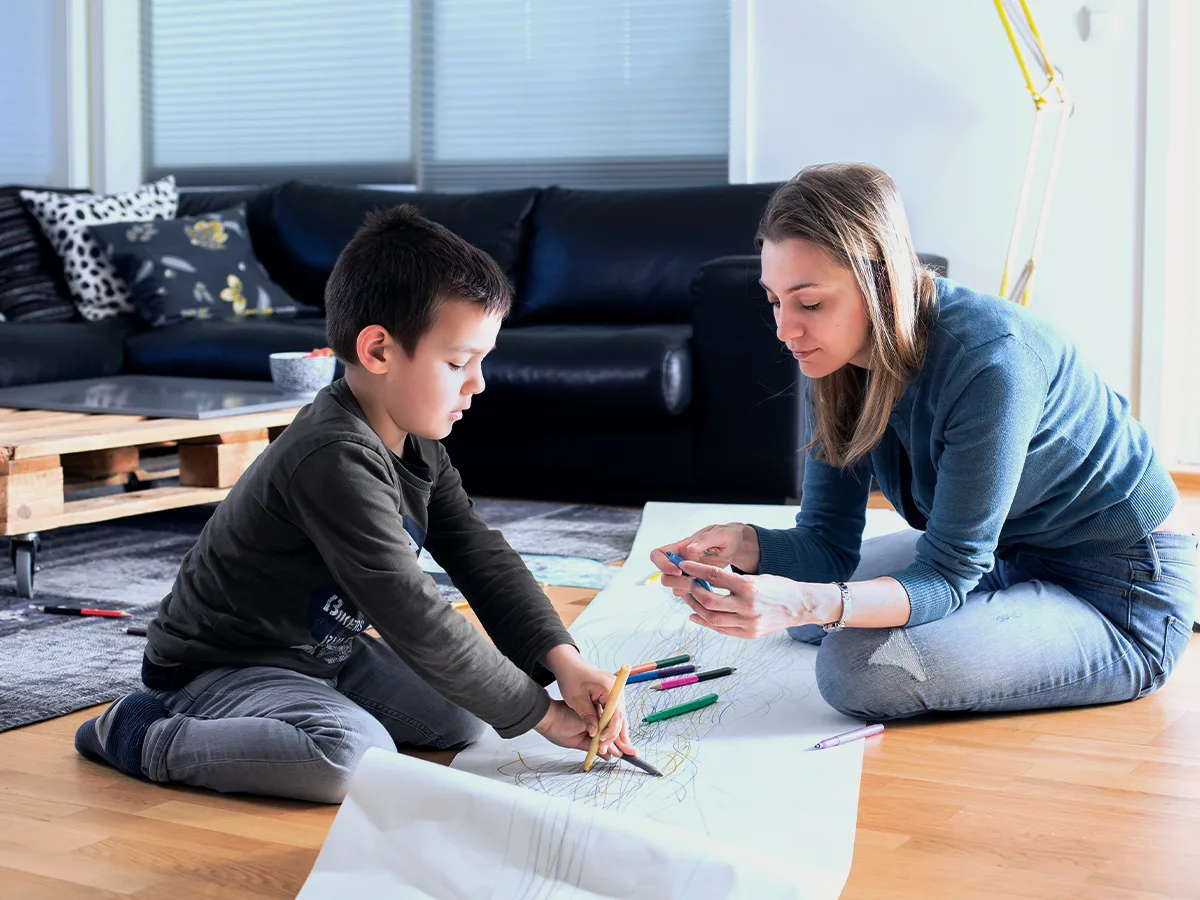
pixel 194 267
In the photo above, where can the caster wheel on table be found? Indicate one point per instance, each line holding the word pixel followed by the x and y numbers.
pixel 24 559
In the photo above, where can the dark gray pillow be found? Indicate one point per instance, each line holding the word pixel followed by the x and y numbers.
pixel 195 267
pixel 32 288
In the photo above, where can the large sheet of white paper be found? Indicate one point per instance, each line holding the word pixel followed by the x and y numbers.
pixel 741 771
pixel 741 783
pixel 409 828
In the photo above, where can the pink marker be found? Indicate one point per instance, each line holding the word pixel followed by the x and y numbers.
pixel 692 679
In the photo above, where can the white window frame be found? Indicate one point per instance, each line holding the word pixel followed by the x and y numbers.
pixel 1168 228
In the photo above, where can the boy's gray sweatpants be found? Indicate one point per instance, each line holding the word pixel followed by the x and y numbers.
pixel 265 730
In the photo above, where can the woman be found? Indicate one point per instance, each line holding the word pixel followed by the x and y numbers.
pixel 1045 569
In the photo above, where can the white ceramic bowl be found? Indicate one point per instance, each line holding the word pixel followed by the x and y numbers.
pixel 295 372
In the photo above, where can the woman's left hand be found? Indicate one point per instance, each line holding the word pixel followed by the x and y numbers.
pixel 757 605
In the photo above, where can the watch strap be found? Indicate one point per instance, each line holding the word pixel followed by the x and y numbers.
pixel 840 623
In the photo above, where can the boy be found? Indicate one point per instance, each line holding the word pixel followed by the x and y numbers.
pixel 260 679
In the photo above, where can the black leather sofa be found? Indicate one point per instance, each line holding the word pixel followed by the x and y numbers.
pixel 639 361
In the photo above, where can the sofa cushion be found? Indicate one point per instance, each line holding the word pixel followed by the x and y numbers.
pixel 573 375
pixel 32 288
pixel 264 236
pixel 193 202
pixel 37 352
pixel 216 349
pixel 629 256
pixel 315 221
pixel 98 291
pixel 192 267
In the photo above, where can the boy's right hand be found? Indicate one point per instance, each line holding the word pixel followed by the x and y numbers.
pixel 561 725
pixel 716 545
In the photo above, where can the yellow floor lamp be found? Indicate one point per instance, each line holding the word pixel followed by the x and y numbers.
pixel 1051 100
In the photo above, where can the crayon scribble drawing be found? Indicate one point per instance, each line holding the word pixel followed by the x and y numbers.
pixel 765 676
pixel 717 761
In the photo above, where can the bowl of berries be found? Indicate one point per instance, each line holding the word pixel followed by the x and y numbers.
pixel 297 372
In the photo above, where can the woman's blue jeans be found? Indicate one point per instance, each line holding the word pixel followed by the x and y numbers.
pixel 1035 633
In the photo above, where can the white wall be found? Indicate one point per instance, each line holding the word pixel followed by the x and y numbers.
pixel 930 91
pixel 33 101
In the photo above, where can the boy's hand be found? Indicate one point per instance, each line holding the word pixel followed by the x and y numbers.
pixel 585 689
pixel 560 725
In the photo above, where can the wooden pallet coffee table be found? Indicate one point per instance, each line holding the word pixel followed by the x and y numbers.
pixel 41 451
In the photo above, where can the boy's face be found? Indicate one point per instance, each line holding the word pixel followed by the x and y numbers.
pixel 426 395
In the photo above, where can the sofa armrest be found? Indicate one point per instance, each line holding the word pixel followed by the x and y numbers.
pixel 748 389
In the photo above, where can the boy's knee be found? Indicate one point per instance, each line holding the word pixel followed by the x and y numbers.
pixel 330 786
pixel 340 754
pixel 871 674
pixel 459 729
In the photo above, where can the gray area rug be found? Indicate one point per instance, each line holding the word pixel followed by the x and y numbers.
pixel 52 665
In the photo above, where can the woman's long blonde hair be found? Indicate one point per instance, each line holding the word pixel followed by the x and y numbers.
pixel 853 212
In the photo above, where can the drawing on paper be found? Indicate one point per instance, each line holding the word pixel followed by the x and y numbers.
pixel 767 675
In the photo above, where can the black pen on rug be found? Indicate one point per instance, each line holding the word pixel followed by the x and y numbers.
pixel 137 630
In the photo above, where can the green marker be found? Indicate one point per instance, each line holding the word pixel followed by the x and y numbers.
pixel 692 705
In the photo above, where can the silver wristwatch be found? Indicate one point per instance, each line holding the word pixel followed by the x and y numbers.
pixel 841 623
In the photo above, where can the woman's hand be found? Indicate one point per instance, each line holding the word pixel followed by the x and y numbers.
pixel 585 690
pixel 719 545
pixel 757 605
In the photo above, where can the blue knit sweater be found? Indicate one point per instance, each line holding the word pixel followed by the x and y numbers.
pixel 1014 443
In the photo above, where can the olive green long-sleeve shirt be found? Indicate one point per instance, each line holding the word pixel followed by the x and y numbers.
pixel 318 540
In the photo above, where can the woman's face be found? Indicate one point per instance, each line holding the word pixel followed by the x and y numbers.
pixel 820 313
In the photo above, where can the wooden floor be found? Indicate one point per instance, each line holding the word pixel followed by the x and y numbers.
pixel 1100 803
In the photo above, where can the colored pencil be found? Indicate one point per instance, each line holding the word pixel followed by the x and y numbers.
pixel 678 560
pixel 671 711
pixel 693 679
pixel 847 736
pixel 643 765
pixel 77 611
pixel 655 674
pixel 659 663
pixel 610 708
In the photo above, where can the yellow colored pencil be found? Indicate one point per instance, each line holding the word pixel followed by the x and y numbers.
pixel 610 708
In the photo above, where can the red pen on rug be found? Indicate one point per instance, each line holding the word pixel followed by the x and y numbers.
pixel 77 611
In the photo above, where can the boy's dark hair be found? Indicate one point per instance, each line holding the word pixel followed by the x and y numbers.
pixel 395 272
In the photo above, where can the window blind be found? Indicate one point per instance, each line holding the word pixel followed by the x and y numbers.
pixel 595 93
pixel 33 104
pixel 249 91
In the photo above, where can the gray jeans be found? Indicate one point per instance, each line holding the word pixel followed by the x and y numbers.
pixel 1035 633
pixel 265 730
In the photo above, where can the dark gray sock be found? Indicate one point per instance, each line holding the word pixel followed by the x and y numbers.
pixel 118 734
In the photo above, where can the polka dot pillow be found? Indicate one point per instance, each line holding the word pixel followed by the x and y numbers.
pixel 98 292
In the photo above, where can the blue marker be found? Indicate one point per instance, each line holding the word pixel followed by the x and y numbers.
pixel 677 559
